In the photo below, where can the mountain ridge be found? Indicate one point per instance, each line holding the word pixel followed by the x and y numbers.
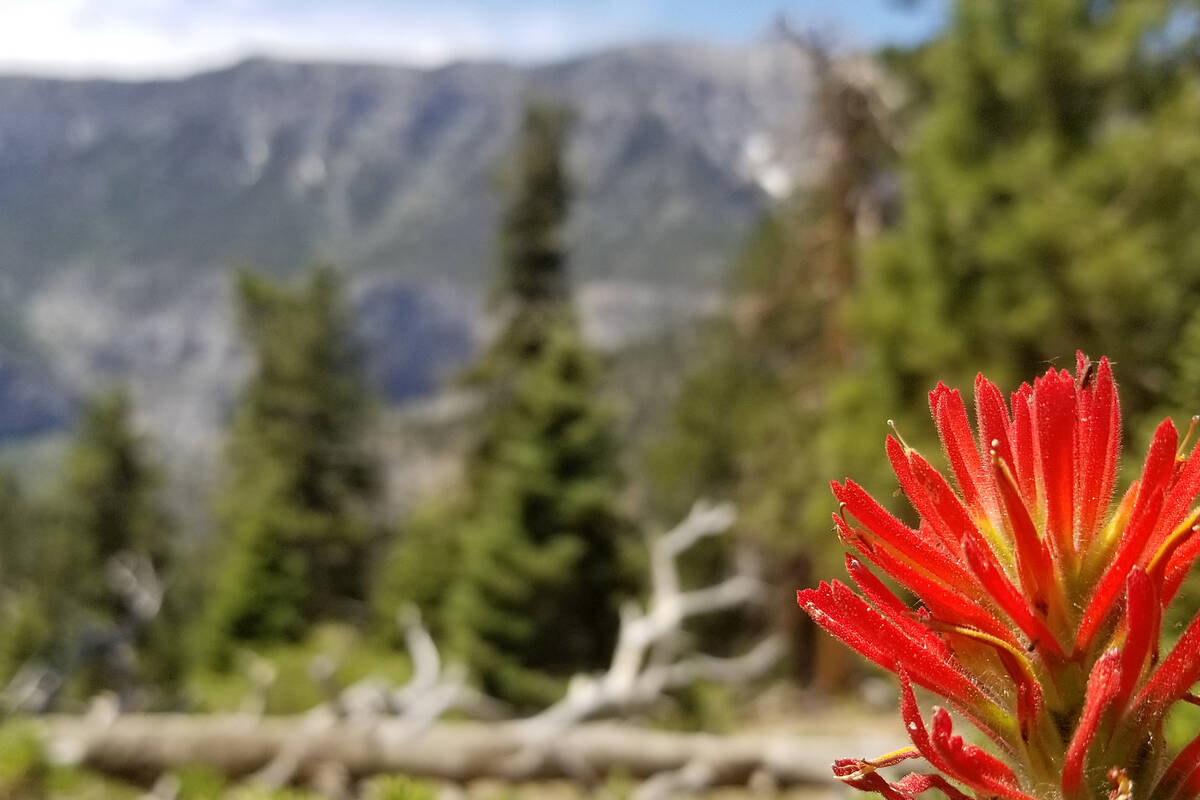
pixel 124 206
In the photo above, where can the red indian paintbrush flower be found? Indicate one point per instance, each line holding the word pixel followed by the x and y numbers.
pixel 1040 611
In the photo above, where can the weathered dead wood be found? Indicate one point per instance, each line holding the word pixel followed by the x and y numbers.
pixel 371 728
pixel 651 654
pixel 141 747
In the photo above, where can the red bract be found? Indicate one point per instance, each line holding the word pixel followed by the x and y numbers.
pixel 1040 611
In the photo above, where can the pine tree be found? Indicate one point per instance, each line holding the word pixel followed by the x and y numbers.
pixel 26 628
pixel 108 507
pixel 747 424
pixel 1052 184
pixel 1184 397
pixel 544 542
pixel 297 513
pixel 18 550
pixel 420 567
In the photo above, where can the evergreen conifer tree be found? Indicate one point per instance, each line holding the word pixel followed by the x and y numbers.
pixel 107 507
pixel 18 555
pixel 1051 181
pixel 747 424
pixel 108 503
pixel 420 567
pixel 544 544
pixel 297 513
pixel 25 626
pixel 1051 188
pixel 1184 397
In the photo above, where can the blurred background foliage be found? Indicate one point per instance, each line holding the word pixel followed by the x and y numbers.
pixel 1022 185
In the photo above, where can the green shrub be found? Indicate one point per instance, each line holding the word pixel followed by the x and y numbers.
pixel 23 767
pixel 399 787
pixel 293 689
pixel 200 782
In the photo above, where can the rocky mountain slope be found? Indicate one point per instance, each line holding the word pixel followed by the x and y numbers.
pixel 125 206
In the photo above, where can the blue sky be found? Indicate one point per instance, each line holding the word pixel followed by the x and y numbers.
pixel 136 38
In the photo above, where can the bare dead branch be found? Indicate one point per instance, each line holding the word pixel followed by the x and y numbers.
pixel 646 660
pixel 372 727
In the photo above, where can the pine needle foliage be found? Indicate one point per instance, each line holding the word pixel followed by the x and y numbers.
pixel 108 506
pixel 298 509
pixel 1051 186
pixel 544 541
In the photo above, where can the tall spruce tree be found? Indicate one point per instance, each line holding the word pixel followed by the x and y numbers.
pixel 108 507
pixel 297 513
pixel 1051 184
pixel 747 423
pixel 108 503
pixel 544 541
pixel 1051 189
pixel 18 548
pixel 26 629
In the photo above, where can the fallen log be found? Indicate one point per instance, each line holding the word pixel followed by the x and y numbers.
pixel 371 728
pixel 142 747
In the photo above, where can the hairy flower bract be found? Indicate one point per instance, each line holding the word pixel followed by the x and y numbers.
pixel 1039 602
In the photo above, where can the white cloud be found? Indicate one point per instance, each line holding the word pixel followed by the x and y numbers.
pixel 132 38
